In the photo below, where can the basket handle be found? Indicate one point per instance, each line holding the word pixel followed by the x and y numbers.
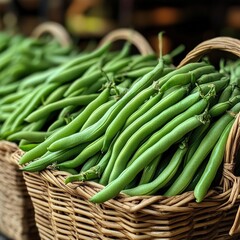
pixel 227 44
pixel 130 35
pixel 54 29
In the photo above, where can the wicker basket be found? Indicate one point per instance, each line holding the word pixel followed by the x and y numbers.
pixel 64 212
pixel 16 212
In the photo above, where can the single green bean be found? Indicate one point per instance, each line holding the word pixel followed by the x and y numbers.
pixel 49 108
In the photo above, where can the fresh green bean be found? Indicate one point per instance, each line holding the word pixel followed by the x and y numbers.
pixel 163 178
pixel 144 108
pixel 213 165
pixel 149 171
pixel 92 149
pixel 98 113
pixel 91 78
pixel 49 108
pixel 72 73
pixel 91 162
pixel 30 106
pixel 33 136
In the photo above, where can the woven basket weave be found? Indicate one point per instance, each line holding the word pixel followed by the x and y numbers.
pixel 16 210
pixel 64 212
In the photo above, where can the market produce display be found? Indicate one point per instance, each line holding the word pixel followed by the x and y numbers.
pixel 135 124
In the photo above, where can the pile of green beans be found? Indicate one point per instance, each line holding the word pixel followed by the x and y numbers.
pixel 133 123
pixel 47 101
pixel 24 64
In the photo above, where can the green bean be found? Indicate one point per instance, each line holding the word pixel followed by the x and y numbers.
pixel 8 108
pixel 100 126
pixel 72 171
pixel 33 136
pixel 30 106
pixel 98 113
pixel 226 94
pixel 27 146
pixel 185 69
pixel 219 85
pixel 149 171
pixel 186 78
pixel 95 87
pixel 202 151
pixel 209 77
pixel 92 173
pixel 9 122
pixel 52 158
pixel 155 124
pixel 92 149
pixel 91 162
pixel 213 165
pixel 122 54
pixel 47 109
pixel 4 116
pixel 197 176
pixel 56 95
pixel 73 72
pixel 195 140
pixel 136 73
pixel 69 129
pixel 36 78
pixel 85 57
pixel 57 124
pixel 219 108
pixel 7 89
pixel 145 107
pixel 14 97
pixel 112 189
pixel 163 178
pixel 127 110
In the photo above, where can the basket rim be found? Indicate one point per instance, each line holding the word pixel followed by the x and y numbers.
pixel 223 43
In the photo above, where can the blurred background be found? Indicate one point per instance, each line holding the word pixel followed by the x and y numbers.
pixel 188 22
